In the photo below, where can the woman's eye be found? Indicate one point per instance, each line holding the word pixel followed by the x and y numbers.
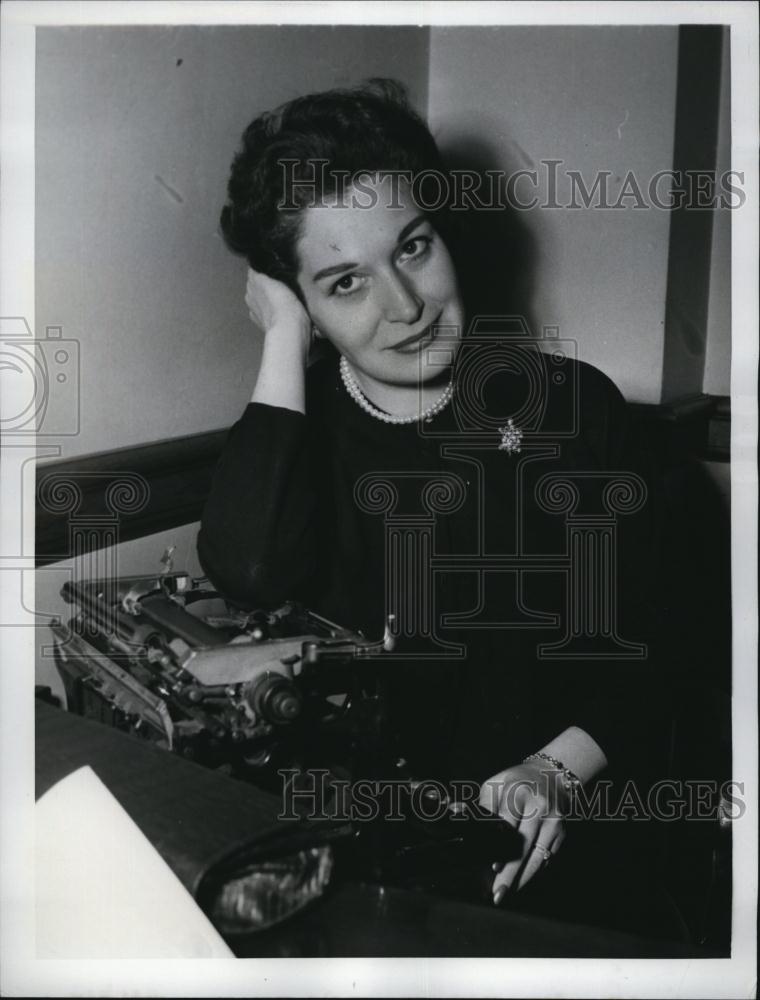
pixel 346 285
pixel 415 248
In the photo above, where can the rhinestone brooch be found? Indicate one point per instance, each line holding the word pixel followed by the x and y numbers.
pixel 511 438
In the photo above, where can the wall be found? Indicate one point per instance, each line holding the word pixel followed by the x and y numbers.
pixel 690 255
pixel 717 376
pixel 136 128
pixel 133 266
pixel 598 98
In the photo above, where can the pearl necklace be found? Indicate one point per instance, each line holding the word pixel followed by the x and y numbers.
pixel 352 388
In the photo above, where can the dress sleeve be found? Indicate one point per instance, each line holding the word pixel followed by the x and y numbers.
pixel 621 702
pixel 257 536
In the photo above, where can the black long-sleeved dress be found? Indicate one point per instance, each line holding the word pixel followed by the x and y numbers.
pixel 290 516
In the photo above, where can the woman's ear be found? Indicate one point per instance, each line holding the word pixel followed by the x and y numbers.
pixel 316 333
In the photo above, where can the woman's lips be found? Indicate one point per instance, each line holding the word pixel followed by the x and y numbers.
pixel 415 343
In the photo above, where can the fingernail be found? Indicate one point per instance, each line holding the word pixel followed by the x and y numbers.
pixel 499 895
pixel 496 866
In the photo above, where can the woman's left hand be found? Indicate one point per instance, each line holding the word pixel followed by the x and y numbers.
pixel 533 799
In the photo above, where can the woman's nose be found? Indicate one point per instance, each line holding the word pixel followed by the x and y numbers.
pixel 402 303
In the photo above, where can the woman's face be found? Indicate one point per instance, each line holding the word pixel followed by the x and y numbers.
pixel 379 283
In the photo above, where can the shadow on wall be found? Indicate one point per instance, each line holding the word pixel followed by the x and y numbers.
pixel 496 252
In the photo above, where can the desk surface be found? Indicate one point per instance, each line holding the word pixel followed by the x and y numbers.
pixel 162 793
pixel 359 920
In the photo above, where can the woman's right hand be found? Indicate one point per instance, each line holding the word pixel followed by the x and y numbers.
pixel 287 329
pixel 272 306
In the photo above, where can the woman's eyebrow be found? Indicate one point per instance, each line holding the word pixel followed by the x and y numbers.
pixel 410 227
pixel 334 269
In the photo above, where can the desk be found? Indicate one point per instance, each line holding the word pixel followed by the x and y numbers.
pixel 357 920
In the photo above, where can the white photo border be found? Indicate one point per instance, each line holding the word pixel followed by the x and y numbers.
pixel 21 973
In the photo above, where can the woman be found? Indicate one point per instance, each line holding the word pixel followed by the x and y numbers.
pixel 347 250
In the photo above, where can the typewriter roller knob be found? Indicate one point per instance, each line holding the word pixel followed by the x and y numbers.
pixel 274 698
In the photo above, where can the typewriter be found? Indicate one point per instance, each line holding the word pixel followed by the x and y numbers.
pixel 261 694
pixel 166 658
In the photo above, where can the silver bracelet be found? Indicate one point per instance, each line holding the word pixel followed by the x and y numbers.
pixel 570 779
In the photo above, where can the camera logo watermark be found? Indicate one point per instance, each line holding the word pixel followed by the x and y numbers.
pixel 42 406
pixel 46 374
pixel 537 396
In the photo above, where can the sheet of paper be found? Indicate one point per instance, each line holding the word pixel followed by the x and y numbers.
pixel 102 889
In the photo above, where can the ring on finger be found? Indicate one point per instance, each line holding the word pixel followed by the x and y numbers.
pixel 545 851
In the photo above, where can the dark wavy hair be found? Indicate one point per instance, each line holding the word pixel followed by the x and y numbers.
pixel 368 129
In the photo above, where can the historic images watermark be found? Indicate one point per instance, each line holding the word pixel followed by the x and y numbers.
pixel 552 184
pixel 319 795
